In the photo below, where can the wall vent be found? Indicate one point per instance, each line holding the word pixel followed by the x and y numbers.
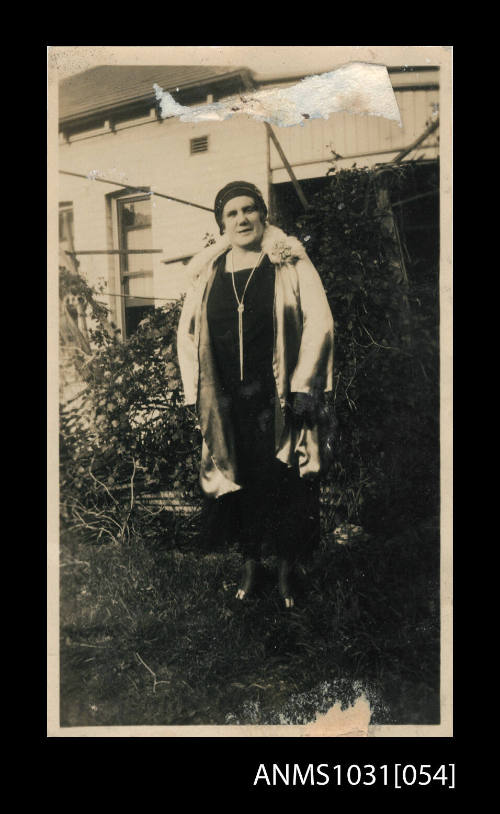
pixel 199 145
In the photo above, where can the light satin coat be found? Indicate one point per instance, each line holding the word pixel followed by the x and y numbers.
pixel 302 359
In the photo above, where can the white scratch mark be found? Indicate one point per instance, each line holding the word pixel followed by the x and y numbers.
pixel 358 87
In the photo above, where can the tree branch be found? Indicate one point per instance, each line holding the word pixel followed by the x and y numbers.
pixel 99 482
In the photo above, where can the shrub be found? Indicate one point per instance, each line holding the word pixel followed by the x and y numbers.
pixel 386 378
pixel 130 432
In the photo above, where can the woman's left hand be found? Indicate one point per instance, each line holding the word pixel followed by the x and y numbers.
pixel 304 407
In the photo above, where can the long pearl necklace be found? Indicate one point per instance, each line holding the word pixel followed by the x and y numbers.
pixel 241 307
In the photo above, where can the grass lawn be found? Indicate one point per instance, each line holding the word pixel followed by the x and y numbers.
pixel 151 633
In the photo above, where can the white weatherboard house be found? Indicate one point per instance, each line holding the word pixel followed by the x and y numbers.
pixel 137 243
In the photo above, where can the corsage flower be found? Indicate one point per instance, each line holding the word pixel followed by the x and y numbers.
pixel 286 250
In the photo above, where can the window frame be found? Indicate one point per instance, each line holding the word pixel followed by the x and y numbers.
pixel 121 266
pixel 65 208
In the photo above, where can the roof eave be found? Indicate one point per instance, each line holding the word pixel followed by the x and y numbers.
pixel 95 110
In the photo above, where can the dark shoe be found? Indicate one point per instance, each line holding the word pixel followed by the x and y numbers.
pixel 283 583
pixel 247 579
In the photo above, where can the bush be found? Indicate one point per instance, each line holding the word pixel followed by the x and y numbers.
pixel 130 431
pixel 386 377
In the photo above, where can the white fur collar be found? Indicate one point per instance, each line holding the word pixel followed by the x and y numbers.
pixel 280 248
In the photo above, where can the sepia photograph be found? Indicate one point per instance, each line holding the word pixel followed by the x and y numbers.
pixel 249 372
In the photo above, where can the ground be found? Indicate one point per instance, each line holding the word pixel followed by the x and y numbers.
pixel 151 633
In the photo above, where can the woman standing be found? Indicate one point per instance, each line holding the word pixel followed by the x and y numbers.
pixel 255 347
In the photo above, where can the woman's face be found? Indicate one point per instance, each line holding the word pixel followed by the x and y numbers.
pixel 242 222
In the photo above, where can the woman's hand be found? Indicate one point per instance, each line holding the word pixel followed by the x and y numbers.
pixel 304 407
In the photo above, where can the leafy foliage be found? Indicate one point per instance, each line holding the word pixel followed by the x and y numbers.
pixel 386 380
pixel 129 432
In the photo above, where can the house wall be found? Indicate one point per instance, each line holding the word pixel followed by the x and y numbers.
pixel 365 139
pixel 157 154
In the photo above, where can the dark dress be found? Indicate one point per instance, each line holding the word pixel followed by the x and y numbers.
pixel 274 506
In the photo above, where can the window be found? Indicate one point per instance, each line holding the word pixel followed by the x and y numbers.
pixel 66 234
pixel 66 243
pixel 199 144
pixel 136 268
